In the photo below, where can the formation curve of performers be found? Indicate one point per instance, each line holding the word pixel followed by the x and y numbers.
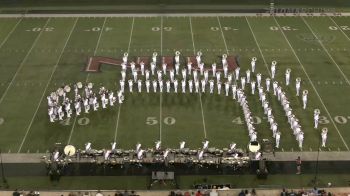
pixel 195 77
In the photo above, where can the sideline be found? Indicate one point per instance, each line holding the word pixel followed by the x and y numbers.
pixel 167 14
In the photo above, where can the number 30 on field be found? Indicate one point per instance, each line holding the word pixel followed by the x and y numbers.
pixel 167 120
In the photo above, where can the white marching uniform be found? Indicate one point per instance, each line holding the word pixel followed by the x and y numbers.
pixel 287 77
pixel 206 75
pixel 196 85
pixel 274 86
pixel 164 68
pixel 252 84
pixel 213 69
pixel 184 73
pixel 258 79
pixel 111 98
pixel 225 68
pixel 248 75
pixel 177 68
pixel 123 75
pixel 190 85
pixel 211 85
pixel 139 85
pixel 219 87
pixel 316 118
pixel 142 65
pixel 147 74
pixel 189 68
pixel 155 84
pixel 273 71
pixel 175 85
pixel 183 86
pixel 237 73
pixel 131 83
pixel 134 74
pixel 297 87
pixel 268 82
pixel 201 68
pixel 252 63
pixel 172 75
pixel 229 78
pixel 86 105
pixel 227 88
pixel 161 84
pixel 234 90
pixel 153 67
pixel 203 82
pixel 304 101
pixel 159 74
pixel 195 75
pixel 168 86
pixel 148 84
pixel 300 139
pixel 324 137
pixel 242 83
pixel 218 76
pixel 278 138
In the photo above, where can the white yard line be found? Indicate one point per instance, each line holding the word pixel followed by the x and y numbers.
pixel 339 28
pixel 87 78
pixel 325 49
pixel 47 85
pixel 257 43
pixel 312 84
pixel 222 34
pixel 200 94
pixel 23 61
pixel 120 105
pixel 160 94
pixel 194 48
pixel 10 33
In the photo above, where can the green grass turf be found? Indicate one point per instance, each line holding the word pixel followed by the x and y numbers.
pixel 184 182
pixel 29 57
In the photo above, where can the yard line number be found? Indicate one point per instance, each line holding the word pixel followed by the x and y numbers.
pixel 334 28
pixel 239 121
pixel 223 28
pixel 338 119
pixel 284 28
pixel 37 29
pixel 169 120
pixel 164 28
pixel 2 121
pixel 81 121
pixel 97 29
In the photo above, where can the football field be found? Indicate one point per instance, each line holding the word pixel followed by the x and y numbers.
pixel 39 55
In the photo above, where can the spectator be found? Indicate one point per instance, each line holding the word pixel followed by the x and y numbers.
pixel 241 193
pixel 246 192
pixel 284 192
pixel 213 193
pixel 187 193
pixel 253 192
pixel 199 193
pixel 15 193
pixel 292 193
pixel 298 162
pixel 126 193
